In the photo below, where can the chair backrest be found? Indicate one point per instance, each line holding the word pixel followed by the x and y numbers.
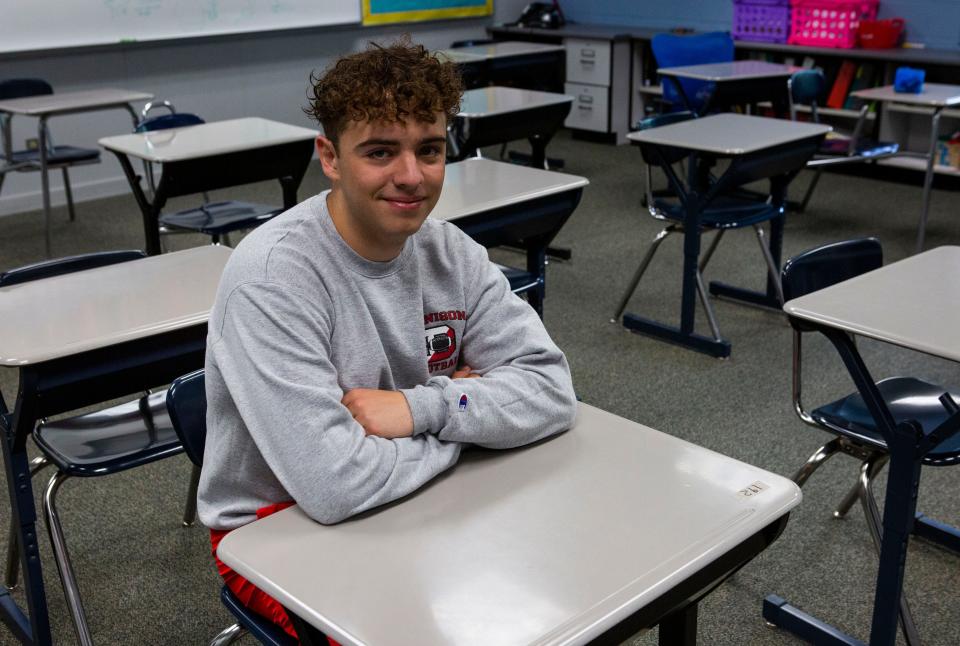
pixel 672 50
pixel 166 121
pixel 807 87
pixel 187 406
pixel 70 264
pixel 828 265
pixel 20 88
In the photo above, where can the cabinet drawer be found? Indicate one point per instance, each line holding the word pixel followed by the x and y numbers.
pixel 588 61
pixel 589 110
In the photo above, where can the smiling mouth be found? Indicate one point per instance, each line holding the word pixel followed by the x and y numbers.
pixel 405 202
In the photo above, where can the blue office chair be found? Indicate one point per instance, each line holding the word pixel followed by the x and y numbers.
pixel 723 208
pixel 215 219
pixel 187 407
pixel 93 444
pixel 848 418
pixel 671 50
pixel 61 157
pixel 807 88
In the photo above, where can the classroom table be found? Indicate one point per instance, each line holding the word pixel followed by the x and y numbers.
pixel 937 97
pixel 741 138
pixel 495 115
pixel 44 107
pixel 85 338
pixel 736 83
pixel 912 304
pixel 211 156
pixel 497 203
pixel 537 66
pixel 589 536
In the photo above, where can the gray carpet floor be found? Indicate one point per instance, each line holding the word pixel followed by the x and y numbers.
pixel 147 580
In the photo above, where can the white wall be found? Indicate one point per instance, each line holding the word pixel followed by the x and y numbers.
pixel 259 75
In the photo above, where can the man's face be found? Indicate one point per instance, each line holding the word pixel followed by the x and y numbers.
pixel 387 178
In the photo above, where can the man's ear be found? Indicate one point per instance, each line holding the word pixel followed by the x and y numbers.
pixel 329 161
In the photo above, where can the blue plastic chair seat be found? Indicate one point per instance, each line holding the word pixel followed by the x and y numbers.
pixel 725 212
pixel 907 399
pixel 218 218
pixel 111 440
pixel 864 147
pixel 59 155
pixel 265 631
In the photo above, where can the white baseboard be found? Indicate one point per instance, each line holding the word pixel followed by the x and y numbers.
pixel 82 192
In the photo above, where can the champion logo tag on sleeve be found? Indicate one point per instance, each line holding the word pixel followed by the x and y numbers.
pixel 463 402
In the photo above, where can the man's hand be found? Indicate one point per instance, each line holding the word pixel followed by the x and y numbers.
pixel 465 372
pixel 384 413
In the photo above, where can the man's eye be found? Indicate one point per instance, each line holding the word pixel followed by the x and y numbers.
pixel 431 151
pixel 380 153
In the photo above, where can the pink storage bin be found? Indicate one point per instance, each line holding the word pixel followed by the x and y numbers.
pixel 829 23
pixel 761 20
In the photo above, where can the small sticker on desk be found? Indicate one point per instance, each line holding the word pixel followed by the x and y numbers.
pixel 753 489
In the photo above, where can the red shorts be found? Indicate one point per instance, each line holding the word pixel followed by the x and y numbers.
pixel 248 594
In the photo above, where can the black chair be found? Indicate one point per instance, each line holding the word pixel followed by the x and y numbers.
pixel 215 219
pixel 187 408
pixel 723 209
pixel 850 421
pixel 61 157
pixel 807 88
pixel 93 444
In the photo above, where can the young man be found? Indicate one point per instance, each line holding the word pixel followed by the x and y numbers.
pixel 356 347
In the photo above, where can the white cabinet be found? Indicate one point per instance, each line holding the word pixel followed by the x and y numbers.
pixel 598 78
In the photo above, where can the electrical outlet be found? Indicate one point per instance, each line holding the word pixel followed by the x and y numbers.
pixel 33 143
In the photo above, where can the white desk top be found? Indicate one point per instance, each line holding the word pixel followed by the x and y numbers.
pixel 215 138
pixel 479 185
pixel 495 100
pixel 914 303
pixel 936 95
pixel 548 544
pixel 65 315
pixel 730 71
pixel 502 49
pixel 71 101
pixel 729 134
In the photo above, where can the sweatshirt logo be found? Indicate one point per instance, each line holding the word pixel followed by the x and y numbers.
pixel 441 343
pixel 463 402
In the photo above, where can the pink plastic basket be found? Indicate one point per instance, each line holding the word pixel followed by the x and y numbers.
pixel 829 23
pixel 761 20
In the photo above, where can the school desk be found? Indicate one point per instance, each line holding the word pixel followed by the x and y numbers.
pixel 497 203
pixel 936 97
pixel 44 107
pixel 589 536
pixel 211 156
pixel 912 304
pixel 85 338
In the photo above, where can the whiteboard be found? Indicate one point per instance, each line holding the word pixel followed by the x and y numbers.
pixel 53 24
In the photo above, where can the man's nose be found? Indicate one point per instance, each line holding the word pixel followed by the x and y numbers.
pixel 407 171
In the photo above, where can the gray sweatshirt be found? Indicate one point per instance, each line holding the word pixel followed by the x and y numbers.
pixel 300 319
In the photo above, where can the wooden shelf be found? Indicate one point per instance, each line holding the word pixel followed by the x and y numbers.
pixel 918 164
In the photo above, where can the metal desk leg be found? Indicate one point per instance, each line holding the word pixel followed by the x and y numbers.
pixel 149 210
pixel 685 335
pixel 15 429
pixel 928 178
pixel 679 628
pixel 770 297
pixel 44 178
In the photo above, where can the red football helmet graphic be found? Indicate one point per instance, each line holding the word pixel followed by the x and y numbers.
pixel 441 343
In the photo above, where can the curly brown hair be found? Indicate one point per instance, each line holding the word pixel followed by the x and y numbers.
pixel 384 83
